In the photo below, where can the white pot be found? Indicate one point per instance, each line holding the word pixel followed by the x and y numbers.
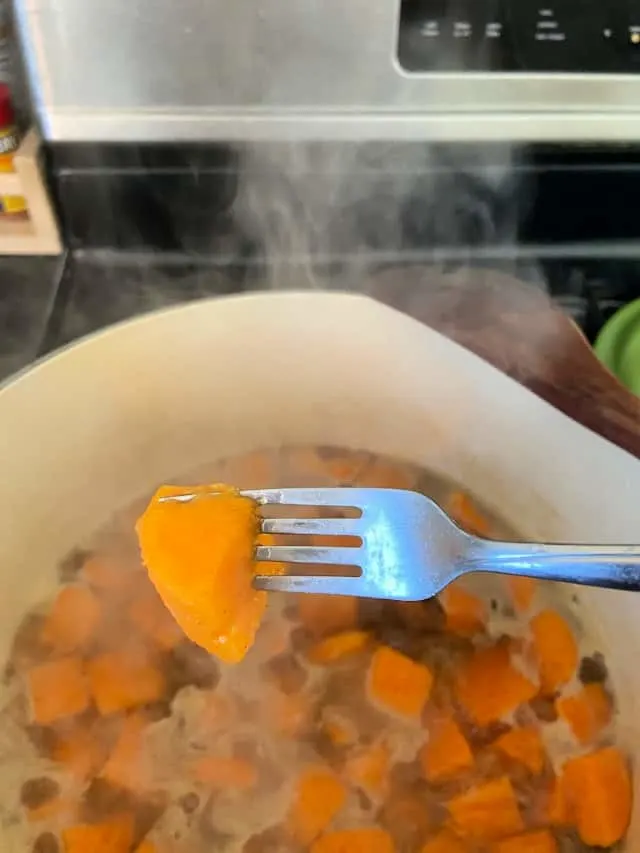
pixel 106 420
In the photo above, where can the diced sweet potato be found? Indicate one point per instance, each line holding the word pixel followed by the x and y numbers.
pixel 525 746
pixel 540 841
pixel 327 614
pixel 200 557
pixel 466 514
pixel 598 790
pixel 444 842
pixel 446 751
pixel 488 686
pixel 340 730
pixel 124 679
pixel 57 690
pixel 397 683
pixel 288 713
pixel 318 798
pixel 587 712
pixel 487 812
pixel 81 751
pixel 217 772
pixel 114 835
pixel 108 576
pixel 368 768
pixel 521 591
pixel 154 622
pixel 558 809
pixel 338 646
pixel 124 766
pixel 555 648
pixel 72 620
pixel 366 840
pixel 465 613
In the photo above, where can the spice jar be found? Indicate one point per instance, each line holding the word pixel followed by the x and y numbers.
pixel 10 205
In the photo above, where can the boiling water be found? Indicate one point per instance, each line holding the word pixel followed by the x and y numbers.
pixel 275 711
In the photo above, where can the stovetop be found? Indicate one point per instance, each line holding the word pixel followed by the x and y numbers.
pixel 149 226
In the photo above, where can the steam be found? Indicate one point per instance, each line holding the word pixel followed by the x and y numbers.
pixel 329 214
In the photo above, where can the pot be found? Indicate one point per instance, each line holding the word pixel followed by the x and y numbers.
pixel 101 423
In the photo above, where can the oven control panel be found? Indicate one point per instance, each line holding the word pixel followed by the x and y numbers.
pixel 573 36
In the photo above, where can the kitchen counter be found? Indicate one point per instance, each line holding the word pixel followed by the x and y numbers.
pixel 45 303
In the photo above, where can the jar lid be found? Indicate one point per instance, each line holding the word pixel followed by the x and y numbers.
pixel 618 345
pixel 7 117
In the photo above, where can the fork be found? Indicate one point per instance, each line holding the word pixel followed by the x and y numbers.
pixel 410 549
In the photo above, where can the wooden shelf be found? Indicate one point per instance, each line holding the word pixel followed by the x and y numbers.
pixel 37 235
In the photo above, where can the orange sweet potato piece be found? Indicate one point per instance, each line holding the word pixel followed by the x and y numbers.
pixel 72 620
pixel 124 766
pixel 81 752
pixel 218 772
pixel 488 686
pixel 152 619
pixel 318 798
pixel 444 842
pixel 397 683
pixel 555 648
pixel 339 730
pixel 487 812
pixel 587 712
pixel 366 840
pixel 327 614
pixel 466 514
pixel 114 835
pixel 521 591
pixel 338 646
pixel 540 841
pixel 368 768
pixel 598 790
pixel 525 746
pixel 108 576
pixel 465 613
pixel 288 713
pixel 200 557
pixel 57 690
pixel 446 752
pixel 124 679
pixel 558 808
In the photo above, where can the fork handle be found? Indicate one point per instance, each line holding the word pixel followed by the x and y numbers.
pixel 612 566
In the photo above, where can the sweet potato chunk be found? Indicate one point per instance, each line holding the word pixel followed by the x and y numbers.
pixel 446 752
pixel 368 768
pixel 124 766
pixel 235 773
pixel 444 842
pixel 328 614
pixel 541 841
pixel 487 812
pixel 598 791
pixel 124 679
pixel 466 514
pixel 488 686
pixel 200 557
pixel 555 648
pixel 397 683
pixel 587 712
pixel 521 591
pixel 318 798
pixel 114 835
pixel 465 613
pixel 366 840
pixel 154 622
pixel 338 646
pixel 81 752
pixel 525 746
pixel 57 690
pixel 72 620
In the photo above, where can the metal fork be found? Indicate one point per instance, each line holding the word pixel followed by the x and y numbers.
pixel 410 549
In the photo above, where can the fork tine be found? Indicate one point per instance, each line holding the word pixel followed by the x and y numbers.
pixel 318 526
pixel 315 584
pixel 306 554
pixel 345 497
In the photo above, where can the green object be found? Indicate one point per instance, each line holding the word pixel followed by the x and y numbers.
pixel 618 345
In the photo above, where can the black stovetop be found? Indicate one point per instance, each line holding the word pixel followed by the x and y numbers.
pixel 152 225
